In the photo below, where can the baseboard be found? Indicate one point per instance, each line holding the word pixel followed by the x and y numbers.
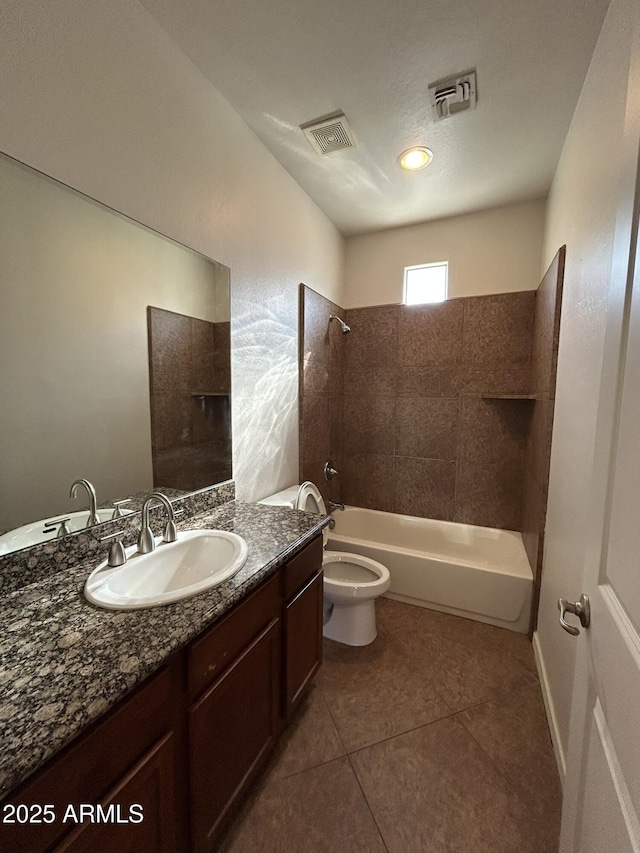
pixel 548 704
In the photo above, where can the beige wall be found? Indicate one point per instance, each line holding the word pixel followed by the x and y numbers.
pixel 493 251
pixel 97 96
pixel 582 211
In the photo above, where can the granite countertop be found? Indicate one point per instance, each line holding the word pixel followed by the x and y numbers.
pixel 64 662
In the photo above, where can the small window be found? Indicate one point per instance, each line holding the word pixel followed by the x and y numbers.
pixel 425 283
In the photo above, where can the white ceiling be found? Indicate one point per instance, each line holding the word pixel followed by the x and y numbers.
pixel 282 63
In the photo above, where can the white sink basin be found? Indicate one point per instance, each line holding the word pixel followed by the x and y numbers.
pixel 34 533
pixel 199 560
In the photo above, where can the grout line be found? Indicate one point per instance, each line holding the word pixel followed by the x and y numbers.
pixel 448 716
pixel 510 781
pixel 353 770
pixel 369 806
pixel 335 725
pixel 404 732
pixel 277 778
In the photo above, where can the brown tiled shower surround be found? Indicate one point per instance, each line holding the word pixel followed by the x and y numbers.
pixel 543 387
pixel 417 437
pixel 190 379
pixel 402 406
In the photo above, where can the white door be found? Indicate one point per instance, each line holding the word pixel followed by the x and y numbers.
pixel 602 790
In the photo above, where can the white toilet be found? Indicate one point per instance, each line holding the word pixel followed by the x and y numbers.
pixel 351 582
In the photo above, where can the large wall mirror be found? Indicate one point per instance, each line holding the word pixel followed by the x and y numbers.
pixel 114 355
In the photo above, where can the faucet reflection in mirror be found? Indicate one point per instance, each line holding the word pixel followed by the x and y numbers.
pixel 76 280
pixel 93 501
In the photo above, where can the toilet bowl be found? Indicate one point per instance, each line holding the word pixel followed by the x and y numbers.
pixel 351 582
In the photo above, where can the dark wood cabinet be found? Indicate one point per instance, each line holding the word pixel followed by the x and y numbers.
pixel 303 648
pixel 233 727
pixel 187 743
pixel 140 812
pixel 90 768
pixel 302 591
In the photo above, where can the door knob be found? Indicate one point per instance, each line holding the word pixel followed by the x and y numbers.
pixel 581 608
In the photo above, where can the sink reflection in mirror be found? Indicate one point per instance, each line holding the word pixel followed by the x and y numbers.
pixel 197 561
pixel 76 283
pixel 36 533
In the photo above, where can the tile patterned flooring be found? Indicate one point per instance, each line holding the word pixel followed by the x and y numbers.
pixel 433 739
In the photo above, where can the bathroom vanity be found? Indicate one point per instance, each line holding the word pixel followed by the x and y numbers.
pixel 163 768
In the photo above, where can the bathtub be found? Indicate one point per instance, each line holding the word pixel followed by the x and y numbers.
pixel 478 572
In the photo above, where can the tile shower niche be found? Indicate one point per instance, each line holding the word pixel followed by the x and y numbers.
pixel 190 383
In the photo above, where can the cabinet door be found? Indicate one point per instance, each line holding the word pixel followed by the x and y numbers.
pixel 232 730
pixel 95 765
pixel 303 633
pixel 138 814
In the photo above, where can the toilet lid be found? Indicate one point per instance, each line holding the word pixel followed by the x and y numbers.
pixel 309 499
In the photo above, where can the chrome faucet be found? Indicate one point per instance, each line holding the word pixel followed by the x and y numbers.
pixel 333 505
pixel 93 515
pixel 146 542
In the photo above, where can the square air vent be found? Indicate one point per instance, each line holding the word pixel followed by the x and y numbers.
pixel 453 95
pixel 330 134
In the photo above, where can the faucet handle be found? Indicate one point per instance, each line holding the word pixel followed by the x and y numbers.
pixel 63 530
pixel 170 533
pixel 117 554
pixel 329 470
pixel 117 507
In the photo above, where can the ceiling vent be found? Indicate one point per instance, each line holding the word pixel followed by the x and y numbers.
pixel 453 95
pixel 329 134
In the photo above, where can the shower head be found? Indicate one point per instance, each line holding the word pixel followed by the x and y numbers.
pixel 345 329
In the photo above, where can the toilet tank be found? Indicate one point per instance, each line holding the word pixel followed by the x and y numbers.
pixel 286 497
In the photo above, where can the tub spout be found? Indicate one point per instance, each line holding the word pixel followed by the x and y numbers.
pixel 334 505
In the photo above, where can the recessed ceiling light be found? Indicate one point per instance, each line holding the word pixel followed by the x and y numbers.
pixel 415 158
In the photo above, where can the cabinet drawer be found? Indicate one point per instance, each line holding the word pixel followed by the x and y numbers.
pixel 213 652
pixel 302 567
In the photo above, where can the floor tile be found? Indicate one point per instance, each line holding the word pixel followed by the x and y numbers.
pixel 310 740
pixel 319 811
pixel 434 790
pixel 395 617
pixel 443 721
pixel 374 692
pixel 463 672
pixel 513 731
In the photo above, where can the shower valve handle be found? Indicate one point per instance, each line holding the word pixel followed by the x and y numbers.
pixel 329 470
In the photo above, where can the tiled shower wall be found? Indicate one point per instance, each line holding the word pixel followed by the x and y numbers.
pixel 543 387
pixel 396 404
pixel 413 406
pixel 418 437
pixel 190 383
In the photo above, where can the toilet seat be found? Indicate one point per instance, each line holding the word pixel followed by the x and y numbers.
pixel 342 588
